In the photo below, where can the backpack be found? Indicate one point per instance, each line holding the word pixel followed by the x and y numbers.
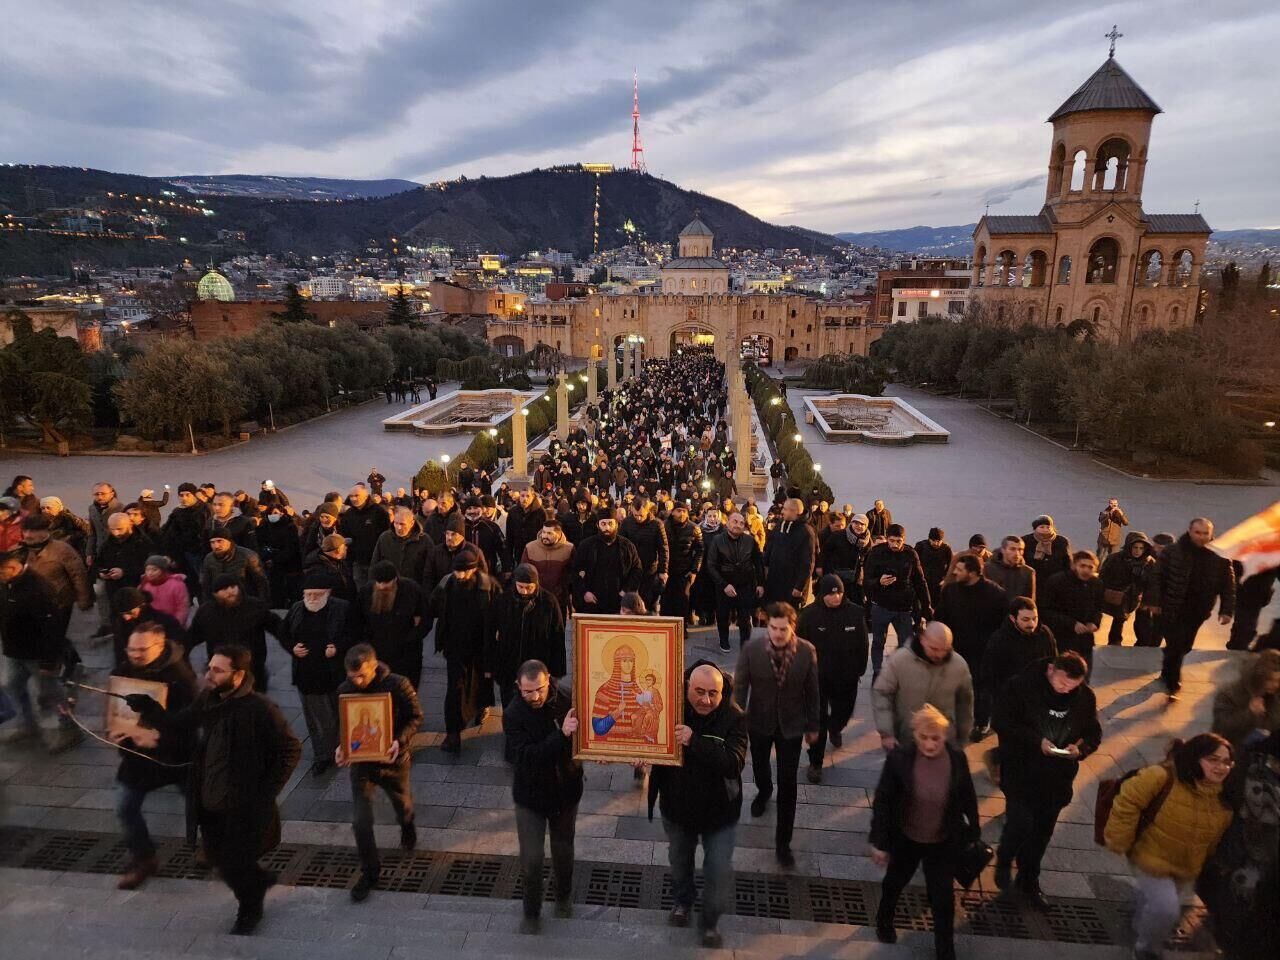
pixel 1109 789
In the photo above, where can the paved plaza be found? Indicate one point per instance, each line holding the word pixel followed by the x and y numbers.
pixel 992 477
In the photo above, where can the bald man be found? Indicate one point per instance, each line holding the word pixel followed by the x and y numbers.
pixel 927 670
pixel 121 557
pixel 790 555
pixel 702 798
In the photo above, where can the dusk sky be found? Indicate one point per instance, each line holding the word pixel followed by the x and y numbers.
pixel 832 115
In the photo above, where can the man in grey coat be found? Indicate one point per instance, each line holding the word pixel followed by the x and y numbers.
pixel 776 681
pixel 927 670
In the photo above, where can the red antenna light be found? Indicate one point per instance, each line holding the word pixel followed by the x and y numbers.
pixel 637 151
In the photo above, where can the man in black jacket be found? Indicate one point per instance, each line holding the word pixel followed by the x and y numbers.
pixel 684 543
pixel 524 520
pixel 232 616
pixel 245 753
pixel 1021 640
pixel 486 537
pixel 546 785
pixel 606 566
pixel 225 557
pixel 463 607
pixel 1046 550
pixel 183 532
pixel 1071 605
pixel 225 518
pixel 647 533
pixel 122 556
pixel 392 619
pixel 838 631
pixel 362 523
pixel 164 755
pixel 973 607
pixel 896 589
pixel 790 555
pixel 702 798
pixel 1047 719
pixel 843 551
pixel 440 557
pixel 736 568
pixel 35 647
pixel 405 545
pixel 366 675
pixel 1189 579
pixel 316 633
pixel 935 559
pixel 529 625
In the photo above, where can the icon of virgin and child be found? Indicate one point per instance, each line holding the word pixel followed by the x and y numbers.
pixel 628 705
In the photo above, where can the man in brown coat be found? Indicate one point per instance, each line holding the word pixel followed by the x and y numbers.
pixel 776 681
pixel 552 555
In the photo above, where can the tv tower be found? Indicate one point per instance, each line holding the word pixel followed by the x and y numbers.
pixel 637 151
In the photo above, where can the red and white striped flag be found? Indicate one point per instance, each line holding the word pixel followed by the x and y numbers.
pixel 1254 542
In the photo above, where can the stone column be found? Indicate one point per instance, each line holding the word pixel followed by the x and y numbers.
pixel 519 441
pixel 611 370
pixel 591 382
pixel 627 349
pixel 562 407
pixel 742 445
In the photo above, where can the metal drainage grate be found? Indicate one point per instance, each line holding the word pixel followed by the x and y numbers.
pixel 773 896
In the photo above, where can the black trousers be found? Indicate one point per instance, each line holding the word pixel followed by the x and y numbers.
pixel 463 685
pixel 834 711
pixel 675 597
pixel 1179 638
pixel 939 877
pixel 393 778
pixel 745 603
pixel 788 750
pixel 235 856
pixel 1029 820
pixel 650 590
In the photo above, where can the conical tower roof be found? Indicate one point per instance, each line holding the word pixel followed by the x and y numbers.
pixel 1110 88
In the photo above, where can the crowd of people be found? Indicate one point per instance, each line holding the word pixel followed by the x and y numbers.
pixel 636 512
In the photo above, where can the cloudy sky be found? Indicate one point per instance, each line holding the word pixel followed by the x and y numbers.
pixel 832 114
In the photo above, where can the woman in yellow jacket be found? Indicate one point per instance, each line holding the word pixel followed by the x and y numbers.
pixel 1169 853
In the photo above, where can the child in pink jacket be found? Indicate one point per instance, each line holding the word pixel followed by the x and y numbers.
pixel 167 590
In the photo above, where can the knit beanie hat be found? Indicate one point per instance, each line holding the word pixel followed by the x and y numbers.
pixel 830 583
pixel 157 560
pixel 526 573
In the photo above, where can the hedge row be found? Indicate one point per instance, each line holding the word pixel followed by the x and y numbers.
pixel 780 423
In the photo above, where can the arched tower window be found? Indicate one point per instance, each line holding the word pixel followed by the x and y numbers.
pixel 1111 168
pixel 1078 164
pixel 1150 271
pixel 1057 317
pixel 1103 257
pixel 1034 269
pixel 1173 317
pixel 1182 264
pixel 1056 166
pixel 980 267
pixel 1064 270
pixel 1005 275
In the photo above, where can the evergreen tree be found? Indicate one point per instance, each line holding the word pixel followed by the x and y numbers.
pixel 1230 282
pixel 295 307
pixel 401 312
pixel 1264 275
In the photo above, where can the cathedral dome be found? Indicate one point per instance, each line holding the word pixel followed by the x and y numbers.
pixel 214 286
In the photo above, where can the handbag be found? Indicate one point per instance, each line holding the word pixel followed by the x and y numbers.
pixel 972 858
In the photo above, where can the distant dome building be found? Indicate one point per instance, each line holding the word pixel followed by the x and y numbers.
pixel 214 286
pixel 696 269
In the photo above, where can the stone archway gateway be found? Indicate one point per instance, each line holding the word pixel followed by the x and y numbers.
pixel 758 348
pixel 691 336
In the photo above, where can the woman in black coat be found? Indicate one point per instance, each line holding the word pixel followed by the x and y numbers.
pixel 925 810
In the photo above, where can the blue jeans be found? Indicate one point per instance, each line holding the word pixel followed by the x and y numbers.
pixel 50 692
pixel 137 838
pixel 717 869
pixel 903 622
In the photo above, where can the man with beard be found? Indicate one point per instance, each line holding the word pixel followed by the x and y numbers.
pixel 120 559
pixel 244 755
pixel 524 520
pixel 579 524
pixel 935 558
pixel 224 518
pixel 790 555
pixel 843 552
pixel 838 631
pixel 1008 571
pixel 1046 551
pixel 232 616
pixel 437 521
pixel 736 569
pixel 878 520
pixel 973 607
pixel 684 543
pixel 322 524
pixel 183 532
pixel 441 556
pixel 227 559
pixel 463 606
pixel 406 545
pixel 331 564
pixel 606 566
pixel 392 621
pixel 485 536
pixel 366 675
pixel 1071 604
pixel 316 634
pixel 552 556
pixel 529 625
pixel 153 657
pixel 362 523
pixel 649 537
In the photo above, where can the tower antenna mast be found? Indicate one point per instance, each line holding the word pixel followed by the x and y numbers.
pixel 637 151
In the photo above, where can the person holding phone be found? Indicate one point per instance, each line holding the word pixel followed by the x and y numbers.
pixel 1047 720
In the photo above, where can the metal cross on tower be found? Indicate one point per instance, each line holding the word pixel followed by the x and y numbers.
pixel 1113 36
pixel 637 151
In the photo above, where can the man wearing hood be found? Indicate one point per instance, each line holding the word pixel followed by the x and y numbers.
pixel 1189 580
pixel 463 606
pixel 1046 550
pixel 150 656
pixel 702 798
pixel 529 625
pixel 1047 719
pixel 843 551
pixel 606 566
pixel 317 633
pixel 232 616
pixel 838 631
pixel 365 674
pixel 551 554
pixel 391 618
pixel 1125 575
pixel 244 755
pixel 362 523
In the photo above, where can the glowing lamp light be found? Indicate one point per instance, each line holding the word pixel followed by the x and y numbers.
pixel 797 438
pixel 706 484
pixel 445 458
pixel 1270 424
pixel 775 401
pixel 817 468
pixel 493 431
pixel 525 411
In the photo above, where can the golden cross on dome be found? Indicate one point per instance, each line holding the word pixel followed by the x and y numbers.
pixel 1113 36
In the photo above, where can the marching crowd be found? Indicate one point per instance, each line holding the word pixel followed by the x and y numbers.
pixel 636 511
